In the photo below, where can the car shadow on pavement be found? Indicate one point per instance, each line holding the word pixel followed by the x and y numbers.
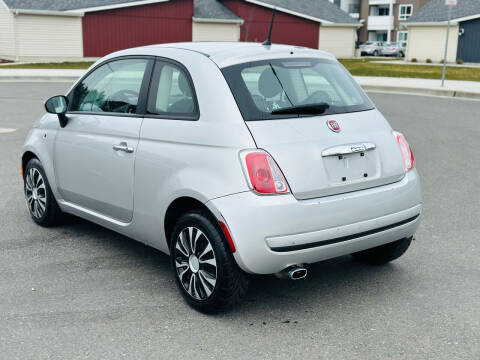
pixel 332 283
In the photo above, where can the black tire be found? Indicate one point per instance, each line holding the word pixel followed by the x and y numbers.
pixel 375 53
pixel 51 214
pixel 385 253
pixel 401 54
pixel 231 282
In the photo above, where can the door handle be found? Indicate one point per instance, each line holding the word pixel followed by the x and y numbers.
pixel 123 147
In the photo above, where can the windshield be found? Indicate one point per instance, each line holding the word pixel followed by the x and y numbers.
pixel 263 88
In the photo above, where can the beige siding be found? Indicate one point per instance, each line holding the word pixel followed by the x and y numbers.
pixel 7 44
pixel 204 31
pixel 49 37
pixel 340 41
pixel 428 42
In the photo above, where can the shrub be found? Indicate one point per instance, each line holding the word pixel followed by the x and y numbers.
pixel 459 61
pixel 441 61
pixel 414 60
pixel 429 61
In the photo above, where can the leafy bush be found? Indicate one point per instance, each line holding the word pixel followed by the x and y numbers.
pixel 429 61
pixel 459 61
pixel 414 60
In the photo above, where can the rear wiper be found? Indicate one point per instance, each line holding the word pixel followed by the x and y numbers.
pixel 310 109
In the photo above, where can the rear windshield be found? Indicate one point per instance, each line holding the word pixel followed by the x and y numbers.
pixel 262 87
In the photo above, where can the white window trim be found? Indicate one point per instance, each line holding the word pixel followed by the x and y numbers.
pixel 405 16
pixel 401 32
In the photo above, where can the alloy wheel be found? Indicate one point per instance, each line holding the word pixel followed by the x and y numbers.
pixel 195 263
pixel 35 193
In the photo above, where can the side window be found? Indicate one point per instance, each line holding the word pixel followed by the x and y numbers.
pixel 171 93
pixel 113 88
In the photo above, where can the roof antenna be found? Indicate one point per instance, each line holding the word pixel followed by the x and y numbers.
pixel 268 42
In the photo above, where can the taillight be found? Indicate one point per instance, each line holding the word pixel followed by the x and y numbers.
pixel 263 174
pixel 405 150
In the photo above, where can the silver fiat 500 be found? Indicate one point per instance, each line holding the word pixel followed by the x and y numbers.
pixel 234 158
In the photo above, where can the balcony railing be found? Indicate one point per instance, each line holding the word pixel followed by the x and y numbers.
pixel 380 23
pixel 381 2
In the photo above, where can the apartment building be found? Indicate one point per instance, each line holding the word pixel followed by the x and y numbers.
pixel 383 20
pixel 349 6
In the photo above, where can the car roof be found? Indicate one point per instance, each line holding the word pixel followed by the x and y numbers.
pixel 231 53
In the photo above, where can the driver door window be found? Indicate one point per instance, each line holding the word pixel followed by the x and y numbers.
pixel 112 88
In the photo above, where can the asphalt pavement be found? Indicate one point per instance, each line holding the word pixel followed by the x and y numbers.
pixel 80 291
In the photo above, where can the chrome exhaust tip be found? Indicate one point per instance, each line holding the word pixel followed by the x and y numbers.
pixel 293 273
pixel 297 273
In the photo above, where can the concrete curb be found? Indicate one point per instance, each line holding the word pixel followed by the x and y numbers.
pixel 422 91
pixel 38 78
pixel 36 75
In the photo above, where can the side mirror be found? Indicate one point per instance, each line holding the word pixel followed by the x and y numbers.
pixel 58 105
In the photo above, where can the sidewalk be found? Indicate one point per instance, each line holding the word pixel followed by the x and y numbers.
pixel 453 88
pixel 34 75
pixel 464 89
pixel 403 62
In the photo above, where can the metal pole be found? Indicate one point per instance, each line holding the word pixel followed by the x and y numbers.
pixel 444 72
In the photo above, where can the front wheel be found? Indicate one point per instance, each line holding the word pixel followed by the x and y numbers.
pixel 385 253
pixel 41 203
pixel 205 271
pixel 375 53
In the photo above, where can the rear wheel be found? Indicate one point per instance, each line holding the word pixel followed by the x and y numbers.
pixel 205 271
pixel 39 198
pixel 375 53
pixel 385 253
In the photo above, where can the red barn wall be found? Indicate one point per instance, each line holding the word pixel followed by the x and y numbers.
pixel 288 29
pixel 111 30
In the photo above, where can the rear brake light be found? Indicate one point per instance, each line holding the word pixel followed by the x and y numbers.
pixel 405 150
pixel 263 174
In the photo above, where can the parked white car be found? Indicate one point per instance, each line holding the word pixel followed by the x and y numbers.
pixel 373 48
pixel 233 158
pixel 393 49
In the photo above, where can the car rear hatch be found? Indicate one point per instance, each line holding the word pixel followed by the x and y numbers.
pixel 318 161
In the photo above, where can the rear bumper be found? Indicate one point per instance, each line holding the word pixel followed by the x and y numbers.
pixel 274 232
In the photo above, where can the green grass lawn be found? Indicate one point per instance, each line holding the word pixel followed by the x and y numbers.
pixel 358 67
pixel 365 67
